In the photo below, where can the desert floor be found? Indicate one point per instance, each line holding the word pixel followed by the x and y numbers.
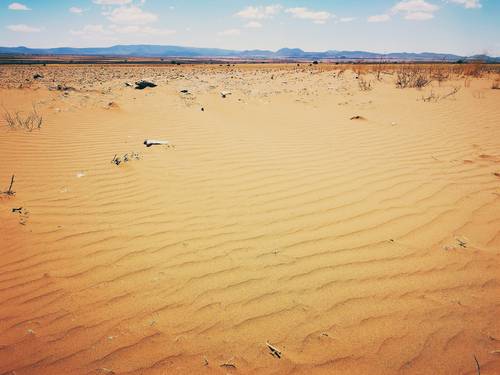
pixel 353 246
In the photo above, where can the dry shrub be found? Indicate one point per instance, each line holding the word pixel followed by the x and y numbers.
pixel 433 97
pixel 439 74
pixel 474 69
pixel 411 76
pixel 364 85
pixel 496 84
pixel 17 121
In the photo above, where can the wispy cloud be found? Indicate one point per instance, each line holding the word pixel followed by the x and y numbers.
pixel 414 6
pixel 347 19
pixel 22 28
pixel 88 29
pixel 112 2
pixel 469 4
pixel 415 10
pixel 259 12
pixel 94 30
pixel 318 17
pixel 76 10
pixel 253 25
pixel 18 6
pixel 379 18
pixel 144 30
pixel 229 32
pixel 418 16
pixel 131 15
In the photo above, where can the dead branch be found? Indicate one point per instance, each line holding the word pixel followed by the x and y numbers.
pixel 9 191
pixel 274 351
pixel 477 365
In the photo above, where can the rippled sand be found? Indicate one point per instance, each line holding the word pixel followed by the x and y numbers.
pixel 364 246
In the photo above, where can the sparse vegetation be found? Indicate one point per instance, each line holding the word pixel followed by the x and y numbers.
pixel 411 77
pixel 364 85
pixel 9 192
pixel 17 121
pixel 434 98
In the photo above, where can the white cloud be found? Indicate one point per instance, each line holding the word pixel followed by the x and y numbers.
pixel 319 17
pixel 131 15
pixel 21 28
pixel 415 10
pixel 259 12
pixel 347 19
pixel 229 32
pixel 18 6
pixel 469 4
pixel 76 10
pixel 112 2
pixel 253 25
pixel 414 6
pixel 379 18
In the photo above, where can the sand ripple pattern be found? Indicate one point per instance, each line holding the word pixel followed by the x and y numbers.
pixel 355 247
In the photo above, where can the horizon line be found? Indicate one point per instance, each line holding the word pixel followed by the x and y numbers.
pixel 253 49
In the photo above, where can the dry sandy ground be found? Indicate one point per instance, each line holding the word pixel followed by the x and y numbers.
pixel 365 246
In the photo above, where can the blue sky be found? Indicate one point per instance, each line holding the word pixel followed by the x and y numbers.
pixel 455 26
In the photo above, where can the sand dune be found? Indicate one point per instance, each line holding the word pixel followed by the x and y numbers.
pixel 364 246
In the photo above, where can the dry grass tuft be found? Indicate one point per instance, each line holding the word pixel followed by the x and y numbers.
pixel 363 84
pixel 16 121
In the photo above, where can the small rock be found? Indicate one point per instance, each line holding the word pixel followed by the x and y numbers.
pixel 357 117
pixel 141 85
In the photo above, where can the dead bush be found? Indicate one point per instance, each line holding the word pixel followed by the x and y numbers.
pixel 411 77
pixel 17 121
pixel 364 85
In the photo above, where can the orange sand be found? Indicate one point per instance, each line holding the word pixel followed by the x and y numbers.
pixel 367 246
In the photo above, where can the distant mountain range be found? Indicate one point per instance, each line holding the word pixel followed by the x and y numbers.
pixel 284 53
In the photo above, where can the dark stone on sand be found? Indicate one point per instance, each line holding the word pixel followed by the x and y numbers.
pixel 141 85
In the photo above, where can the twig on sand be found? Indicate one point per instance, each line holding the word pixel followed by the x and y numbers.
pixel 106 371
pixel 228 364
pixel 10 192
pixel 477 365
pixel 153 142
pixel 451 93
pixel 275 352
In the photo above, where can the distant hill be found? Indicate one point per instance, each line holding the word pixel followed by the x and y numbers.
pixel 284 53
